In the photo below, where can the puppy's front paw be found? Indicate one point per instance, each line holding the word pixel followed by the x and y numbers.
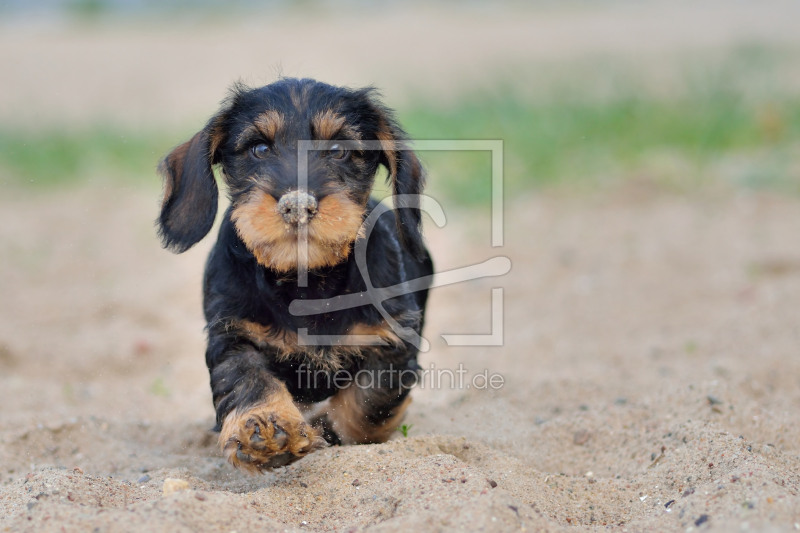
pixel 267 435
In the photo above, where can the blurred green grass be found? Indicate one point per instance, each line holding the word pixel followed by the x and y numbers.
pixel 733 120
pixel 58 156
pixel 736 121
pixel 569 141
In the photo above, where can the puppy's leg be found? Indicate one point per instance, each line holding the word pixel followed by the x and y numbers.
pixel 371 408
pixel 261 427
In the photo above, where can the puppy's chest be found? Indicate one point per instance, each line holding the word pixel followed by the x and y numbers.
pixel 326 343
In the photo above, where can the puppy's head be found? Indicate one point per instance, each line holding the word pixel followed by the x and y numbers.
pixel 277 196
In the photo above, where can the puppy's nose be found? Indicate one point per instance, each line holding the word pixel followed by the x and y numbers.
pixel 297 207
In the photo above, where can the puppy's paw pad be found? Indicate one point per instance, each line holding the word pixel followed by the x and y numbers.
pixel 264 438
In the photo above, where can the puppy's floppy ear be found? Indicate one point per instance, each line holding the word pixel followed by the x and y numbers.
pixel 406 177
pixel 190 192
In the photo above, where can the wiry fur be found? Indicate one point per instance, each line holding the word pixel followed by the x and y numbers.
pixel 255 360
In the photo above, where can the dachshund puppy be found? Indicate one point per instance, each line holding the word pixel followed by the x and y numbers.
pixel 284 239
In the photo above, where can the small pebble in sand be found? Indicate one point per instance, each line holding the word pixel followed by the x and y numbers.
pixel 580 437
pixel 174 485
pixel 713 400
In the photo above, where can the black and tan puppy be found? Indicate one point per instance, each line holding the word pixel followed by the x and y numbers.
pixel 277 397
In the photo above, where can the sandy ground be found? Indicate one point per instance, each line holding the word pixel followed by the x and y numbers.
pixel 650 339
pixel 650 365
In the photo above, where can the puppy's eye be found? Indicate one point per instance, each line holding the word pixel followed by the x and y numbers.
pixel 337 151
pixel 260 150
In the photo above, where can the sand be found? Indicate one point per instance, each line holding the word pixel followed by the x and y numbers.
pixel 649 357
pixel 651 379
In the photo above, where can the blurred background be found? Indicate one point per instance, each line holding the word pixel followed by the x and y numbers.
pixel 602 107
pixel 582 93
pixel 652 214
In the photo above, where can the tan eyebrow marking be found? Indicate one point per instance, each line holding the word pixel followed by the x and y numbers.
pixel 326 124
pixel 268 124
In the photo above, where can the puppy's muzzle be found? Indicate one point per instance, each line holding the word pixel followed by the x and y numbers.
pixel 297 207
